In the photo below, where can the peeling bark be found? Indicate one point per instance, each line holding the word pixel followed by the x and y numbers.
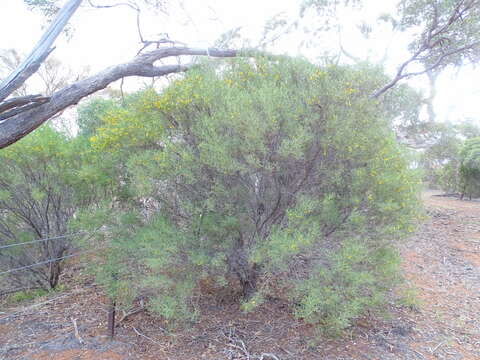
pixel 40 52
pixel 14 128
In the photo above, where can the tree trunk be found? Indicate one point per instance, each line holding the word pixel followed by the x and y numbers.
pixel 111 320
pixel 55 271
pixel 248 281
pixel 246 273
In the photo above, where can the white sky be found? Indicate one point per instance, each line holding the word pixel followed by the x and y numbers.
pixel 105 37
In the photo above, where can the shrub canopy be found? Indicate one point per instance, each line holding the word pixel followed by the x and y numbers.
pixel 470 167
pixel 274 174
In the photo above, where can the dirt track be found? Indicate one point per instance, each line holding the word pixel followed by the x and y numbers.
pixel 441 261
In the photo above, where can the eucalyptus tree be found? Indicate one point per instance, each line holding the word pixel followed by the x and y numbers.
pixel 442 33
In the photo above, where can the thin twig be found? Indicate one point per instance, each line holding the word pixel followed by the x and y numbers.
pixel 127 314
pixel 130 5
pixel 243 348
pixel 77 335
pixel 268 355
pixel 436 347
pixel 145 336
pixel 419 354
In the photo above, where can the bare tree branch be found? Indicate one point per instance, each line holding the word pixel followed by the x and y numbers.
pixel 400 75
pixel 41 51
pixel 35 102
pixel 435 36
pixel 130 5
pixel 16 127
pixel 18 101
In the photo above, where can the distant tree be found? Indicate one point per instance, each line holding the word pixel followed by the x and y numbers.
pixel 470 168
pixel 9 60
pixel 52 74
pixel 441 159
pixel 468 128
pixel 446 33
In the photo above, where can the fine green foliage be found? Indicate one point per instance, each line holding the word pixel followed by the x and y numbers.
pixel 126 127
pixel 25 295
pixel 253 170
pixel 357 279
pixel 36 203
pixel 470 168
pixel 90 114
pixel 442 160
pixel 48 7
pixel 409 297
pixel 43 182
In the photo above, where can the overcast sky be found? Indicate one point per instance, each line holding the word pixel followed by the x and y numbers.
pixel 104 37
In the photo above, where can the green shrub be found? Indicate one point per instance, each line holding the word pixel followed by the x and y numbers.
pixel 470 167
pixel 409 297
pixel 25 295
pixel 37 176
pixel 448 177
pixel 356 279
pixel 255 168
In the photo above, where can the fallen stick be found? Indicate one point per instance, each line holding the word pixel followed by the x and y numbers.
pixel 146 337
pixel 243 348
pixel 269 355
pixel 77 335
pixel 127 314
pixel 432 351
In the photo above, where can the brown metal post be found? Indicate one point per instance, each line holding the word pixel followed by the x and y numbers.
pixel 111 320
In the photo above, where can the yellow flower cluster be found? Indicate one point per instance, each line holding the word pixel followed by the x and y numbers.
pixel 317 75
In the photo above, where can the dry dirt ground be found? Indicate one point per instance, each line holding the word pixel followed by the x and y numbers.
pixel 441 263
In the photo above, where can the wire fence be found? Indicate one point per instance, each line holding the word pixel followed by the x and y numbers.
pixel 46 262
pixel 49 260
pixel 42 240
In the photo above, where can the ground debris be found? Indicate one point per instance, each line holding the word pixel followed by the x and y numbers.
pixel 441 262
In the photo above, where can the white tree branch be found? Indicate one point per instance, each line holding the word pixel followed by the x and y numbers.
pixel 40 52
pixel 16 127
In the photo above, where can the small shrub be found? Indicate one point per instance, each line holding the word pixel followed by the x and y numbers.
pixel 36 202
pixel 470 168
pixel 409 298
pixel 25 295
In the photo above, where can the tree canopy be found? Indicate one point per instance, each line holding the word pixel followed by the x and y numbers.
pixel 444 32
pixel 470 167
